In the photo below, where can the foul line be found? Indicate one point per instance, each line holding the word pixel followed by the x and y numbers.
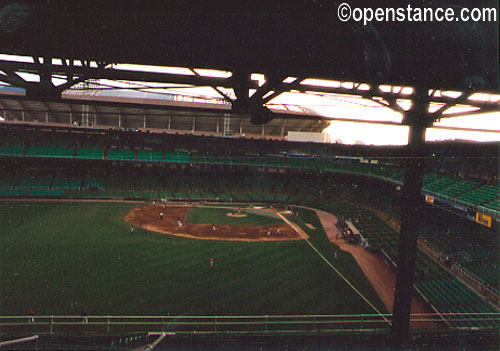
pixel 306 239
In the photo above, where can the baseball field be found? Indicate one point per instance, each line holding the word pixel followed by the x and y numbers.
pixel 61 257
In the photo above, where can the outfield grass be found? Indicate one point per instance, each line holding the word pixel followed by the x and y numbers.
pixel 57 258
pixel 344 262
pixel 207 215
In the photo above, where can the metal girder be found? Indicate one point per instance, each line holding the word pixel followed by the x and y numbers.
pixel 240 82
pixel 411 212
pixel 254 106
pixel 13 79
pixel 214 87
pixel 197 80
pixel 123 74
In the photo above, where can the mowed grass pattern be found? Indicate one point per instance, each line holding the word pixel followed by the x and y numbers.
pixel 206 215
pixel 58 258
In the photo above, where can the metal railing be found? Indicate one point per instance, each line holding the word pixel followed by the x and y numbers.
pixel 283 324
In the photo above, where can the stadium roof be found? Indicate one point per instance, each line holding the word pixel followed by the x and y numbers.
pixel 297 46
pixel 139 110
pixel 277 38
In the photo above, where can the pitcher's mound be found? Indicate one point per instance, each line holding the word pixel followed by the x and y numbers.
pixel 236 215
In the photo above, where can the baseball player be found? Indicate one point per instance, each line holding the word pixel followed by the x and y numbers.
pixel 31 315
pixel 212 262
pixel 85 318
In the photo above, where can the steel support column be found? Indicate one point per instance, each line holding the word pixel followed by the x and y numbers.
pixel 417 118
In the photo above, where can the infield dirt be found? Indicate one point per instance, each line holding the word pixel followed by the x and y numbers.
pixel 148 218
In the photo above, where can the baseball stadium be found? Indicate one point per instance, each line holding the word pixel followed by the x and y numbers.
pixel 250 185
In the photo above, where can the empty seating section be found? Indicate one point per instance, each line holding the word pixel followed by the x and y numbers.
pixel 120 181
pixel 214 160
pixel 448 187
pixel 50 149
pixel 459 188
pixel 486 270
pixel 493 205
pixel 183 157
pixel 177 157
pixel 34 181
pixel 466 244
pixel 93 153
pixel 61 181
pixel 245 160
pixel 149 155
pixel 46 192
pixel 14 192
pixel 121 154
pixel 8 148
pixel 481 195
pixel 8 180
pixel 93 182
pixel 435 183
pixel 451 296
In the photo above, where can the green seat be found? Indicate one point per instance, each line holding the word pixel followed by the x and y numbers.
pixel 149 155
pixel 90 153
pixel 121 154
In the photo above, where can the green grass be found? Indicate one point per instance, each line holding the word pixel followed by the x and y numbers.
pixel 219 216
pixel 345 262
pixel 57 258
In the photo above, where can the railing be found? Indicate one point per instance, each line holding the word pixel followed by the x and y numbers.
pixel 476 283
pixel 479 285
pixel 18 341
pixel 285 324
